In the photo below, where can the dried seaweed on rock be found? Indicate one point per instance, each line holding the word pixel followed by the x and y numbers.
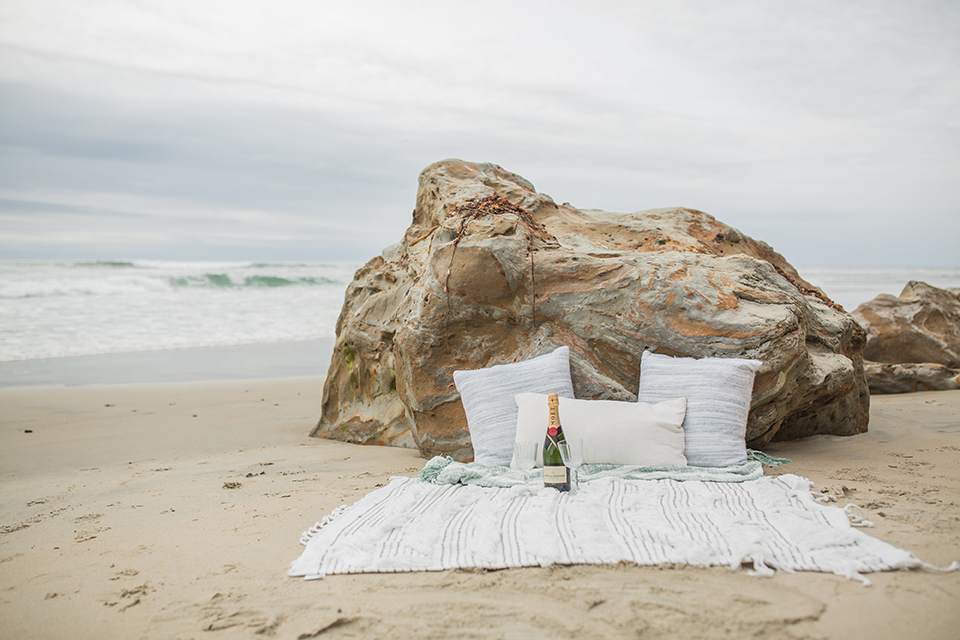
pixel 495 205
pixel 807 291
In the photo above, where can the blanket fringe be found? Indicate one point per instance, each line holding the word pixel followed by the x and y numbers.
pixel 767 459
pixel 953 566
pixel 327 519
pixel 855 516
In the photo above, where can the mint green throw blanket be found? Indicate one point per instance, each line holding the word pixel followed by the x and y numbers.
pixel 442 470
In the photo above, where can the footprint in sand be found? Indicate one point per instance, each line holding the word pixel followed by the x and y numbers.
pixel 126 573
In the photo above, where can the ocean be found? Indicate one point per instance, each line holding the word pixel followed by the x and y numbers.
pixel 852 286
pixel 81 322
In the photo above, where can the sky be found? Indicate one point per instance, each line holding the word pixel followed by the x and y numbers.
pixel 295 130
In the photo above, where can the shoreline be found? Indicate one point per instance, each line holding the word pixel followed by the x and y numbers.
pixel 174 510
pixel 292 359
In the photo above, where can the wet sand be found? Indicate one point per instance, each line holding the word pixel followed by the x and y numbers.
pixel 234 362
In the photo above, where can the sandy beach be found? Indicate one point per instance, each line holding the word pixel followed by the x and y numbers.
pixel 173 511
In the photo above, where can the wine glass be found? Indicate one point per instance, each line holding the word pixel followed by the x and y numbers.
pixel 572 453
pixel 525 454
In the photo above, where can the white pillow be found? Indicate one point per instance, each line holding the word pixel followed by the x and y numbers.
pixel 487 396
pixel 613 432
pixel 718 393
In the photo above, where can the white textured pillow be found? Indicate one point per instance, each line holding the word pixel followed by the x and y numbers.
pixel 718 393
pixel 613 432
pixel 487 396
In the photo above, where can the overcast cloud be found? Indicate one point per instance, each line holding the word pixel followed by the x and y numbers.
pixel 295 130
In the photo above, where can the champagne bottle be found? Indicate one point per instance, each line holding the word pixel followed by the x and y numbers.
pixel 555 474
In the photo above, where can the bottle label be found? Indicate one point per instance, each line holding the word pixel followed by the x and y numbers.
pixel 554 475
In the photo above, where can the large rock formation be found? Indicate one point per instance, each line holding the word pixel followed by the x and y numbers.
pixel 490 272
pixel 913 341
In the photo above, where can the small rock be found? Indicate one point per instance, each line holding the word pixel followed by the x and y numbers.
pixel 910 377
pixel 921 325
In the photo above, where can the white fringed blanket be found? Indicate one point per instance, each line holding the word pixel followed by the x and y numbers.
pixel 771 523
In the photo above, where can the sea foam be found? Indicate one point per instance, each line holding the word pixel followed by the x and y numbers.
pixel 57 309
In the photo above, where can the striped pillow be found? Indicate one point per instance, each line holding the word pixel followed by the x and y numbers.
pixel 718 393
pixel 487 396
